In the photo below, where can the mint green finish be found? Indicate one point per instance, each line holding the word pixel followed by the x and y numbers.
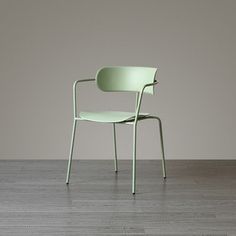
pixel 111 79
pixel 115 149
pixel 71 151
pixel 74 126
pixel 125 78
pixel 109 116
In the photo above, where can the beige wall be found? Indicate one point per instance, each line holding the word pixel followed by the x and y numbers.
pixel 47 44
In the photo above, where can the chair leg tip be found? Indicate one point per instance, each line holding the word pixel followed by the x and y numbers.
pixel 164 177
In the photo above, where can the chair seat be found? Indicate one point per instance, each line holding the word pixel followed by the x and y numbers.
pixel 109 116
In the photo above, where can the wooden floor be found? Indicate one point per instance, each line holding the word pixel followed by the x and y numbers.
pixel 198 198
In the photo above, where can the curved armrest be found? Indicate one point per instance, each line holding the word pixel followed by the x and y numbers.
pixel 140 99
pixel 151 84
pixel 74 93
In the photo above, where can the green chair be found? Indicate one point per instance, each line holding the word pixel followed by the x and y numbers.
pixel 113 79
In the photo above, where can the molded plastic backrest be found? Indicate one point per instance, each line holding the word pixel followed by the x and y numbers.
pixel 125 78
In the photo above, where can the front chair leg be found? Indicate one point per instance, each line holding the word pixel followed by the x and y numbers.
pixel 134 158
pixel 71 152
pixel 115 149
pixel 162 148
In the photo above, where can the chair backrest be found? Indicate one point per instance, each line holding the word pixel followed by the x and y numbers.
pixel 116 79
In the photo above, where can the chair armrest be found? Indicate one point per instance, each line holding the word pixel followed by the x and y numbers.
pixel 140 95
pixel 151 84
pixel 74 93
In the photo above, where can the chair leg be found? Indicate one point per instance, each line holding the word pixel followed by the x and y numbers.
pixel 71 152
pixel 162 148
pixel 134 158
pixel 115 149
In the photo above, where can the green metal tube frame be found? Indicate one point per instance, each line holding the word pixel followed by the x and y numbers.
pixel 115 148
pixel 138 106
pixel 75 119
pixel 133 122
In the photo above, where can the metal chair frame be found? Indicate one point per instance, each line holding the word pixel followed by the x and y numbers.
pixel 134 122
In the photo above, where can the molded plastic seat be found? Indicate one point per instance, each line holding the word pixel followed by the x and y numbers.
pixel 109 116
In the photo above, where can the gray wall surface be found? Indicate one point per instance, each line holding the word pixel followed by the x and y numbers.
pixel 45 45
